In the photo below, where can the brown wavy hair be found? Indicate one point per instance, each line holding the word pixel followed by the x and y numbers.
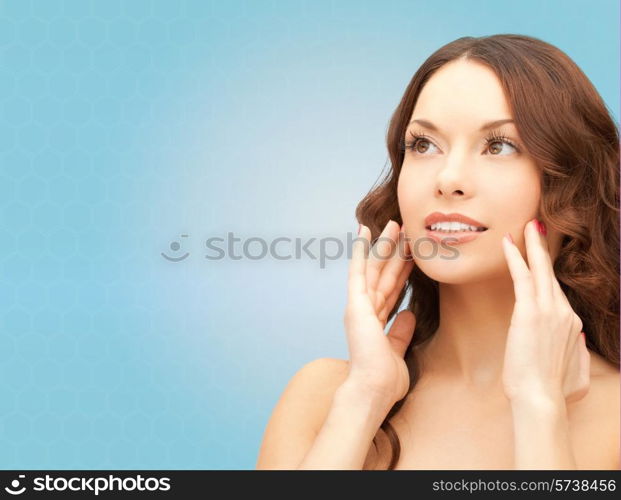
pixel 568 130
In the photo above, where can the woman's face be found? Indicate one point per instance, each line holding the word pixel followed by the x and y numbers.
pixel 453 170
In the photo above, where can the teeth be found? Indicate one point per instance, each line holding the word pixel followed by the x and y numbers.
pixel 453 227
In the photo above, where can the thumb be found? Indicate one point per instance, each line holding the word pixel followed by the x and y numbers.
pixel 401 331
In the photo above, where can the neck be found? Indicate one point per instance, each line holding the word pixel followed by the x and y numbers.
pixel 470 341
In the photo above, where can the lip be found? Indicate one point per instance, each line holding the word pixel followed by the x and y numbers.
pixel 453 239
pixel 435 217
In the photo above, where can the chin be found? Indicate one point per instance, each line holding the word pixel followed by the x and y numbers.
pixel 459 271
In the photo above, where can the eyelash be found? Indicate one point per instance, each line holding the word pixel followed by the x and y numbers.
pixel 493 136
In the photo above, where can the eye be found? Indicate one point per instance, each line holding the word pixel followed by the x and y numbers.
pixel 419 144
pixel 497 138
pixel 416 141
pixel 497 148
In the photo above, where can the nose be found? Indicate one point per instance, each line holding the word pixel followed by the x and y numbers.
pixel 454 178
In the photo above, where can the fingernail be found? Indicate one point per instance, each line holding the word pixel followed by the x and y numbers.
pixel 508 236
pixel 540 226
pixel 359 226
pixel 543 228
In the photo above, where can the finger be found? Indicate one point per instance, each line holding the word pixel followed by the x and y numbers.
pixel 574 341
pixel 572 365
pixel 578 379
pixel 523 284
pixel 540 263
pixel 390 276
pixel 559 294
pixel 401 332
pixel 406 249
pixel 398 288
pixel 557 290
pixel 357 267
pixel 379 255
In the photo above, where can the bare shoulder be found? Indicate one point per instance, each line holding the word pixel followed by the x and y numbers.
pixel 597 416
pixel 300 413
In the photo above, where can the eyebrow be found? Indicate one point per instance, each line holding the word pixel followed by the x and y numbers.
pixel 485 126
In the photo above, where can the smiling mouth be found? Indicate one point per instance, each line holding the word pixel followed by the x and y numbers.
pixel 479 230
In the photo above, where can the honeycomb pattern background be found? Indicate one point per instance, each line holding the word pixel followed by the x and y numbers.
pixel 129 129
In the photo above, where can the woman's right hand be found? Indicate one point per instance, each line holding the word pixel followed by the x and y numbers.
pixel 376 278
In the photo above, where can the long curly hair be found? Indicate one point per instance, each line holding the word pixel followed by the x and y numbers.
pixel 569 131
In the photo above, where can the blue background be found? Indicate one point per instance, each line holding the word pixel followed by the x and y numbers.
pixel 124 125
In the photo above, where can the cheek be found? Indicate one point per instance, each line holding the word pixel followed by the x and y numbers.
pixel 409 193
pixel 516 201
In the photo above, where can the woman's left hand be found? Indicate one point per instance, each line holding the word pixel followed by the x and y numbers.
pixel 545 354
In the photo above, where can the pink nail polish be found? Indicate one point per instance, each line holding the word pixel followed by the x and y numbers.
pixel 540 226
pixel 543 228
pixel 508 236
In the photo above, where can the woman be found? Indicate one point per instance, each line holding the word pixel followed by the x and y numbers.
pixel 507 355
